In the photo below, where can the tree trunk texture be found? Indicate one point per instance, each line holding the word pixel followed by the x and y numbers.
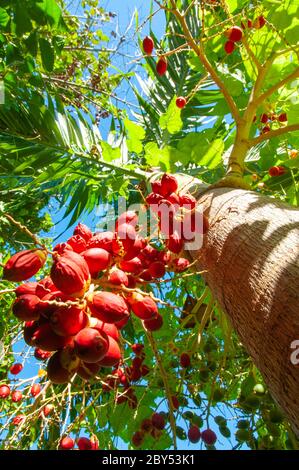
pixel 251 254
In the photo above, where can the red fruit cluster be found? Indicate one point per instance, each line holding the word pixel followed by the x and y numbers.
pixel 72 318
pixel 257 23
pixel 235 33
pixel 179 217
pixel 270 118
pixel 83 443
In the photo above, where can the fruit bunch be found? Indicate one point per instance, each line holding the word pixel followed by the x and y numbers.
pixel 73 317
pixel 235 33
pixel 179 218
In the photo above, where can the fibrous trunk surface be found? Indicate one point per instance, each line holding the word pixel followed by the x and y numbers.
pixel 251 254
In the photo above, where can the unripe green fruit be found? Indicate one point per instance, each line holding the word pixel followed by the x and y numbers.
pixel 274 429
pixel 259 389
pixel 225 431
pixel 243 424
pixel 220 420
pixel 188 415
pixel 197 420
pixel 242 435
pixel 275 416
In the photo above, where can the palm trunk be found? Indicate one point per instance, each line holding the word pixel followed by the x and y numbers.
pixel 251 256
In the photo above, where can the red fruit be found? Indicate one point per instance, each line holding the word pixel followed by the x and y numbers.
pixel 44 338
pixel 249 24
pixel 16 396
pixel 154 199
pixel 266 129
pixel 77 243
pixel 109 328
pixel 148 45
pixel 264 118
pixel 126 234
pixel 194 434
pixel 68 321
pixel 118 277
pixel 25 307
pixel 112 356
pixel 137 362
pixel 61 248
pixel 122 323
pixel 174 243
pixel 41 355
pixel 137 348
pixel 91 345
pixel 45 307
pixel 188 201
pixel 87 371
pixel 158 421
pixel 108 307
pixel 276 171
pixel 26 288
pixel 145 369
pixel 259 22
pixel 283 117
pixel 56 373
pixel 129 217
pixel 135 249
pixel 229 47
pixel 67 443
pixel 16 368
pixel 169 185
pixel 175 402
pixel 185 360
pixel 146 276
pixel 70 273
pixel 97 259
pixel 101 240
pixel 87 444
pixel 48 410
pixel 234 34
pixel 83 231
pixel 24 264
pixel 161 66
pixel 178 265
pixel 35 390
pixel 45 287
pixel 174 199
pixel 133 266
pixel 209 437
pixel 144 307
pixel 153 324
pixel 29 330
pixel 181 102
pixel 156 187
pixel 137 438
pixel 146 425
pixel 4 391
pixel 18 419
pixel 157 269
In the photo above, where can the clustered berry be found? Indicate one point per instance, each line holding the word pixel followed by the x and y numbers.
pixel 235 33
pixel 73 316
